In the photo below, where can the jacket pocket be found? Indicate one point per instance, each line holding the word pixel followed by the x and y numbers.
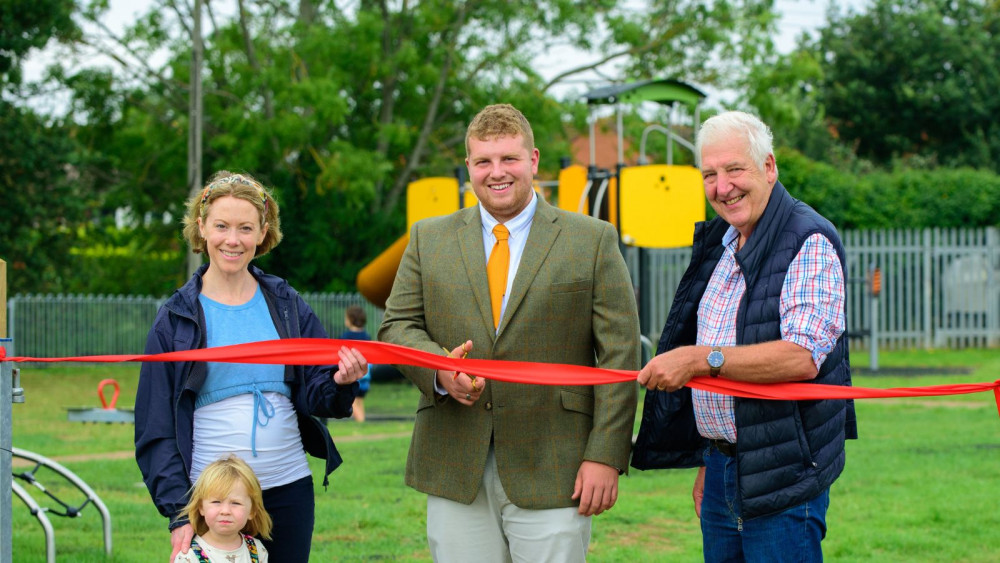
pixel 573 286
pixel 577 402
pixel 804 447
pixel 424 403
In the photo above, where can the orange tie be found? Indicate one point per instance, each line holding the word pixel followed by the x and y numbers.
pixel 496 271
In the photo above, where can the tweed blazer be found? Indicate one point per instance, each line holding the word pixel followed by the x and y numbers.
pixel 572 302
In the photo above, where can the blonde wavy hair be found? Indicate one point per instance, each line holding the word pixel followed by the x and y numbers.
pixel 241 186
pixel 216 481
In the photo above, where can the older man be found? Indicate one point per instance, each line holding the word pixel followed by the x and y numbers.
pixel 762 301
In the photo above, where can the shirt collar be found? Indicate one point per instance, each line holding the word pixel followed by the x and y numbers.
pixel 729 239
pixel 516 225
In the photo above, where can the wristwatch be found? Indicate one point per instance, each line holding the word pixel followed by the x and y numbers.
pixel 715 361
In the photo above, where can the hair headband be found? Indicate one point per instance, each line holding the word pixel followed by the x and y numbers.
pixel 235 179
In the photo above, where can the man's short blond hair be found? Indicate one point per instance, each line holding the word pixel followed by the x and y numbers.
pixel 499 120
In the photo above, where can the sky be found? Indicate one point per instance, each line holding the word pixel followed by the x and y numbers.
pixel 798 16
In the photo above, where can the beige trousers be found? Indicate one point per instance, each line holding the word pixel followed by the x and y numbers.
pixel 493 529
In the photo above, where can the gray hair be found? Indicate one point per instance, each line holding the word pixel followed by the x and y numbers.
pixel 760 142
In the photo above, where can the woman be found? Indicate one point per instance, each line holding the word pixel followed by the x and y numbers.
pixel 189 414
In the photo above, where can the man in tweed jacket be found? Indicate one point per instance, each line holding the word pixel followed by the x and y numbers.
pixel 515 471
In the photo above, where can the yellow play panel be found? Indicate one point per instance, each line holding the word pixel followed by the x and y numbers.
pixel 660 203
pixel 433 197
pixel 572 186
pixel 572 181
pixel 430 197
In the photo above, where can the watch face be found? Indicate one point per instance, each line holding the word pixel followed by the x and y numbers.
pixel 715 359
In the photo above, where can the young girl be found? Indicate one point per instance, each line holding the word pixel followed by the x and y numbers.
pixel 227 510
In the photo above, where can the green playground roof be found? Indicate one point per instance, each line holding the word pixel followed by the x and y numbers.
pixel 663 91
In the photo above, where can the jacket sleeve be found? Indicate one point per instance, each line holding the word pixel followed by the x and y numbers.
pixel 617 346
pixel 322 396
pixel 405 322
pixel 156 449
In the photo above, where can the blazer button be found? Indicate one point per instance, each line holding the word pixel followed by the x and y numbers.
pixel 488 406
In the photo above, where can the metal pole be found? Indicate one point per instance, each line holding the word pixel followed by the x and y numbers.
pixel 6 461
pixel 874 291
pixel 592 141
pixel 6 428
pixel 873 335
pixel 195 121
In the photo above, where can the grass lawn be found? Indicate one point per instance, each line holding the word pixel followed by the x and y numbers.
pixel 922 483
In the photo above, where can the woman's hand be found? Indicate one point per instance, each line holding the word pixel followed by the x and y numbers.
pixel 180 539
pixel 351 368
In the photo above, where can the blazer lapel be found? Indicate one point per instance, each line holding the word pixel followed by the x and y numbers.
pixel 470 239
pixel 541 237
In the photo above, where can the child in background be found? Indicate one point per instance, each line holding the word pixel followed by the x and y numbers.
pixel 226 510
pixel 355 320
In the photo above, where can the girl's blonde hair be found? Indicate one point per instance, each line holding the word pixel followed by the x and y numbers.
pixel 241 186
pixel 217 480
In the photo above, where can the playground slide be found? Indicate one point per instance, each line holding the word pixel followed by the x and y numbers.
pixel 429 197
pixel 375 280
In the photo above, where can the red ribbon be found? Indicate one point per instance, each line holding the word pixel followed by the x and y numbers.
pixel 320 351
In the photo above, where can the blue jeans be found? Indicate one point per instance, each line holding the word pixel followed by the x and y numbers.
pixel 791 535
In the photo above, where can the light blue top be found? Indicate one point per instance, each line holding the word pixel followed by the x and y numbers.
pixel 239 324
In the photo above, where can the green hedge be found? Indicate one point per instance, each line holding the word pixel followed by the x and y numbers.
pixel 903 198
pixel 123 262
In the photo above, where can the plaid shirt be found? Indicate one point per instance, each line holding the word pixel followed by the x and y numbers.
pixel 812 316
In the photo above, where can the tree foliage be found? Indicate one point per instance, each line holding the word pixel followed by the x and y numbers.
pixel 915 77
pixel 339 105
pixel 43 195
pixel 27 25
pixel 892 199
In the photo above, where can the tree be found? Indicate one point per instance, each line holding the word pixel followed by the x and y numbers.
pixel 915 77
pixel 42 201
pixel 338 106
pixel 27 25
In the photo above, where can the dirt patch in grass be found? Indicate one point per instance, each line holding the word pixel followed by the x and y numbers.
pixel 126 454
pixel 937 404
pixel 656 536
pixel 913 370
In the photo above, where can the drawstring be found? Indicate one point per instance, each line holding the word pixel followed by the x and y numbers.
pixel 261 406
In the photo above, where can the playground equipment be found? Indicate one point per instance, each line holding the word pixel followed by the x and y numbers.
pixel 429 197
pixel 11 393
pixel 68 511
pixel 651 205
pixel 107 413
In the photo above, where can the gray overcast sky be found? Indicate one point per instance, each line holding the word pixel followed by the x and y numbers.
pixel 807 15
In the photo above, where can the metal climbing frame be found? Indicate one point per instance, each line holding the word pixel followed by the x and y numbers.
pixel 68 511
pixel 38 512
pixel 10 394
